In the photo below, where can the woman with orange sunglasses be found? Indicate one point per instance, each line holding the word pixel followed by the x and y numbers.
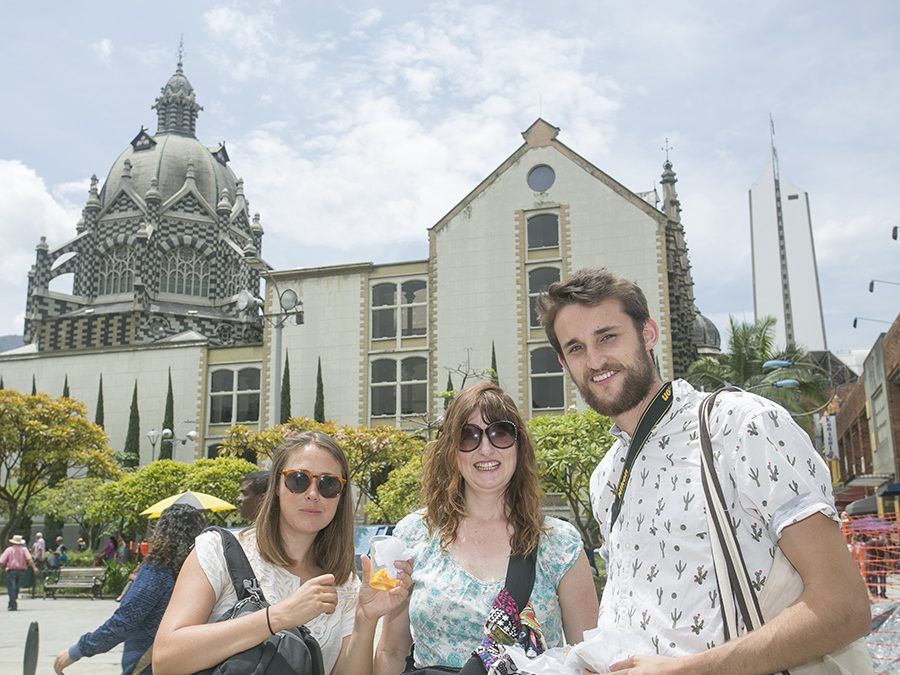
pixel 301 550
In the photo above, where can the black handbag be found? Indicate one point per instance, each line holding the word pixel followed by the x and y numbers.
pixel 520 574
pixel 289 652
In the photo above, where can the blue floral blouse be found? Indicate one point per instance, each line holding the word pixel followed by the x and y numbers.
pixel 448 606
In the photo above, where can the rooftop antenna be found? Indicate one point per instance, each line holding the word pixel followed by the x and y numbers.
pixel 666 148
pixel 181 50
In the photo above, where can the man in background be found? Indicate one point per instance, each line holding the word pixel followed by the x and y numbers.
pixel 39 550
pixel 250 497
pixel 15 560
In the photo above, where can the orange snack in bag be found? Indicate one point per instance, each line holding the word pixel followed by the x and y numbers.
pixel 380 581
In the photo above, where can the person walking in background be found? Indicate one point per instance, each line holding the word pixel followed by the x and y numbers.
pixel 250 497
pixel 15 560
pixel 39 550
pixel 109 550
pixel 648 498
pixel 137 618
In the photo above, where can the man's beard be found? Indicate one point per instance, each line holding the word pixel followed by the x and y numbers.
pixel 636 384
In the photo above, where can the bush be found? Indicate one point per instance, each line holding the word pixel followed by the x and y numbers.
pixel 116 577
pixel 80 558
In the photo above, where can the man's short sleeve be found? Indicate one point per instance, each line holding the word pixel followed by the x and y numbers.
pixel 778 473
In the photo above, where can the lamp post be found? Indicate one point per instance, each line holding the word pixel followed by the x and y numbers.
pixel 168 436
pixel 786 363
pixel 153 437
pixel 872 283
pixel 863 318
pixel 289 305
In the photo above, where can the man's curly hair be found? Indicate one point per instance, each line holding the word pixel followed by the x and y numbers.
pixel 174 535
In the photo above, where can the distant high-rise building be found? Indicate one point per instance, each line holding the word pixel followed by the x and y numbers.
pixel 785 277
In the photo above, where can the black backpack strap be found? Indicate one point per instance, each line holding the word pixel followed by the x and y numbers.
pixel 243 578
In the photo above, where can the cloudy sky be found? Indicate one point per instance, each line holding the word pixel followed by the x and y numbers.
pixel 357 125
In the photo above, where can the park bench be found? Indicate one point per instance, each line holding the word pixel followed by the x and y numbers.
pixel 88 578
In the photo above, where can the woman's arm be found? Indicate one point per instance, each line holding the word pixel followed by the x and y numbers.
pixel 185 643
pixel 356 651
pixel 395 644
pixel 578 600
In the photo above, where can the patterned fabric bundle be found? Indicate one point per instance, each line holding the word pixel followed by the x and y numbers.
pixel 504 627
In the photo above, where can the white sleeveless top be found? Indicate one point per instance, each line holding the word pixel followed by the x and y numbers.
pixel 277 583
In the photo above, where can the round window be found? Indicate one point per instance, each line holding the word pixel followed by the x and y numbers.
pixel 541 177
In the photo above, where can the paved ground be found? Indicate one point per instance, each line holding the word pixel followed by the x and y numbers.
pixel 60 622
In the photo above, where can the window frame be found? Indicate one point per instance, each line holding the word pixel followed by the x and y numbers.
pixel 234 394
pixel 532 376
pixel 399 308
pixel 399 386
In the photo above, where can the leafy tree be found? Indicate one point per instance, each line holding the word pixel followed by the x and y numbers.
pixel 72 501
pixel 121 502
pixel 319 408
pixel 568 449
pixel 66 387
pixel 285 412
pixel 400 494
pixel 38 435
pixel 750 345
pixel 165 449
pixel 132 451
pixel 98 415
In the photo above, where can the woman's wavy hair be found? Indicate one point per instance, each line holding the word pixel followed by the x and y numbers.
pixel 174 536
pixel 333 547
pixel 444 488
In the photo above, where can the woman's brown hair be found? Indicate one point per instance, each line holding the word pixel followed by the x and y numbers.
pixel 444 487
pixel 333 547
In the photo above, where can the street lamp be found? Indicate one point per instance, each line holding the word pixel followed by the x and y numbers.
pixel 881 281
pixel 153 436
pixel 290 305
pixel 863 318
pixel 795 384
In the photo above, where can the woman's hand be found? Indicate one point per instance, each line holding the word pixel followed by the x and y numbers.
pixel 375 604
pixel 316 596
pixel 62 660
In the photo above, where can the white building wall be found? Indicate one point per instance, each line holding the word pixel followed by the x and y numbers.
pixel 120 368
pixel 333 318
pixel 480 296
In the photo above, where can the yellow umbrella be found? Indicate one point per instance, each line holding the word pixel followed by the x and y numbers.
pixel 199 500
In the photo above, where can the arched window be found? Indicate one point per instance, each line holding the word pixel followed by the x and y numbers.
pixel 116 271
pixel 184 271
pixel 410 298
pixel 234 396
pixel 538 280
pixel 546 380
pixel 543 231
pixel 411 387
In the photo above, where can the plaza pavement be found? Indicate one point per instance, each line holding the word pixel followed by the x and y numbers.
pixel 60 622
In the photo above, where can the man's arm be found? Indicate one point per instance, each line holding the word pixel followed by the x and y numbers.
pixel 832 611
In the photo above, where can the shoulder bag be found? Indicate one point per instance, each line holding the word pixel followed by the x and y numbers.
pixel 287 652
pixel 520 574
pixel 738 599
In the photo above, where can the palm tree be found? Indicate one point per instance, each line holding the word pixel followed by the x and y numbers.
pixel 750 346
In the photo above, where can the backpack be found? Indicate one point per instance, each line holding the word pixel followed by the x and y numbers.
pixel 293 651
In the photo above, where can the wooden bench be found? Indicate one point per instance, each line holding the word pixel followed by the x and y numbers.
pixel 87 578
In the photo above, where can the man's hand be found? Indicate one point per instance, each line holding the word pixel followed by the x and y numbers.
pixel 646 665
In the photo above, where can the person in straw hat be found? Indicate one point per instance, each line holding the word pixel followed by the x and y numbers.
pixel 15 560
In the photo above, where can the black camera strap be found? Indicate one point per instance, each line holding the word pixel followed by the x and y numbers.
pixel 651 416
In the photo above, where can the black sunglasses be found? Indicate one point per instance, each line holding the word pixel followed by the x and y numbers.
pixel 501 434
pixel 299 480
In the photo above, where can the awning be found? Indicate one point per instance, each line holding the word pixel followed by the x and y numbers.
pixel 862 506
pixel 870 480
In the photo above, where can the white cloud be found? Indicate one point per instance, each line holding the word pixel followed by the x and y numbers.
pixel 28 210
pixel 104 50
pixel 368 18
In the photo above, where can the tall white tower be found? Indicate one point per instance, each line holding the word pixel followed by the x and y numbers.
pixel 785 277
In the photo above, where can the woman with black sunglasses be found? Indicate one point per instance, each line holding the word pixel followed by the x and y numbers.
pixel 301 549
pixel 482 505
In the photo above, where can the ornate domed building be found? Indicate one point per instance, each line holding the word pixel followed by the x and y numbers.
pixel 162 250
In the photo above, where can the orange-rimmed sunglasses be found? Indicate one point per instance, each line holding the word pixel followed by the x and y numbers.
pixel 327 484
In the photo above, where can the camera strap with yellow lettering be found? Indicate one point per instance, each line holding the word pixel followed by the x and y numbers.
pixel 651 416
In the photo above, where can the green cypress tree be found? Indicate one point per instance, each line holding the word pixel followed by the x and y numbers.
pixel 33 386
pixel 66 387
pixel 1 382
pixel 132 450
pixel 495 376
pixel 319 410
pixel 165 449
pixel 449 391
pixel 98 416
pixel 285 412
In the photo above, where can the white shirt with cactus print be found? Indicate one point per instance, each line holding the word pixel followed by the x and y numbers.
pixel 660 595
